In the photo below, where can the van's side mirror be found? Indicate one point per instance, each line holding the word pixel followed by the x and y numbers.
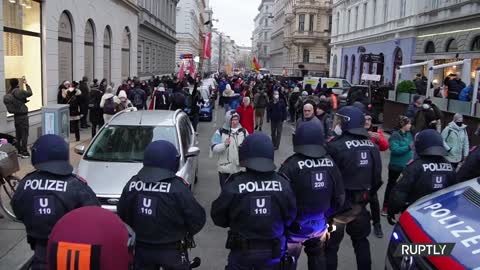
pixel 79 149
pixel 193 152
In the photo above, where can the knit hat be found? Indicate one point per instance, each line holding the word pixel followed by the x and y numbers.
pixel 403 121
pixel 457 118
pixel 122 94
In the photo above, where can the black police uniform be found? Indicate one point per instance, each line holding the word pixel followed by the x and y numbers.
pixel 161 210
pixel 428 173
pixel 470 168
pixel 258 205
pixel 359 161
pixel 319 191
pixel 47 194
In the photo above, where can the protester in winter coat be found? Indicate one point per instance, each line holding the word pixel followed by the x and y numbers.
pixel 96 113
pixel 103 85
pixel 294 96
pixel 414 107
pixel 108 104
pixel 194 103
pixel 455 140
pixel 421 84
pixel 160 99
pixel 61 90
pixel 84 101
pixel 401 152
pixel 455 86
pixel 228 95
pixel 124 103
pixel 225 145
pixel 467 93
pixel 326 117
pixel 260 101
pixel 277 114
pixel 72 96
pixel 247 115
pixel 429 117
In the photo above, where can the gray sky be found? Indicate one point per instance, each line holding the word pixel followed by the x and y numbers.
pixel 235 18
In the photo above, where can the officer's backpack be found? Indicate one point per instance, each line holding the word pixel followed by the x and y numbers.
pixel 109 106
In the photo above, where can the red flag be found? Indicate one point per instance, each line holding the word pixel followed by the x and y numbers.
pixel 255 64
pixel 181 72
pixel 191 68
pixel 209 45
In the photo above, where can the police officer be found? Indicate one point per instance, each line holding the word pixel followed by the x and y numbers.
pixel 427 173
pixel 318 187
pixel 162 211
pixel 358 158
pixel 45 195
pixel 257 206
pixel 470 168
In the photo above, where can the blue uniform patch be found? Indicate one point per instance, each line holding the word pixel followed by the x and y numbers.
pixel 147 206
pixel 319 180
pixel 439 181
pixel 44 205
pixel 363 158
pixel 260 206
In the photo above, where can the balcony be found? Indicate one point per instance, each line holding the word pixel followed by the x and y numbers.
pixel 309 5
pixel 309 37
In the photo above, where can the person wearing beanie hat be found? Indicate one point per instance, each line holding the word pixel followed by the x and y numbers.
pixel 124 103
pixel 326 118
pixel 51 191
pixel 428 173
pixel 401 152
pixel 161 209
pixel 225 143
pixel 319 191
pixel 257 206
pixel 456 142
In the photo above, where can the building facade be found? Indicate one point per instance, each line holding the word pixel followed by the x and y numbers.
pixel 307 28
pixel 191 19
pixel 56 40
pixel 244 58
pixel 278 51
pixel 156 37
pixel 262 33
pixel 377 36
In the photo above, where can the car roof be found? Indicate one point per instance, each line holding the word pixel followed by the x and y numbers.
pixel 145 118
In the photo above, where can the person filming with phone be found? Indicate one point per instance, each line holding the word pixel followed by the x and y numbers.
pixel 16 103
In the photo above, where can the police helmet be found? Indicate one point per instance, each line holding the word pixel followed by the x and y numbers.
pixel 160 161
pixel 50 153
pixel 352 120
pixel 309 140
pixel 429 142
pixel 256 153
pixel 98 236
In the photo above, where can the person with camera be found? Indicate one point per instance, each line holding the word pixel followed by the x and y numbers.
pixel 16 102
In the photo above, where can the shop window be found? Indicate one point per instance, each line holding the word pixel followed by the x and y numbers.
pixel 107 53
pixel 476 44
pixel 22 47
pixel 306 56
pixel 65 48
pixel 430 47
pixel 452 45
pixel 126 53
pixel 89 50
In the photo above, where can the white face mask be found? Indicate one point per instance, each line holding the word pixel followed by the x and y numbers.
pixel 338 130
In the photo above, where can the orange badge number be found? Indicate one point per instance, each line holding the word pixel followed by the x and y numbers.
pixel 73 256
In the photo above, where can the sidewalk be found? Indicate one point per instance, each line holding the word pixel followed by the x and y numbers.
pixel 14 250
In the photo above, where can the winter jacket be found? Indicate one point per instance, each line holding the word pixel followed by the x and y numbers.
pixel 455 140
pixel 247 117
pixel 381 141
pixel 400 151
pixel 454 88
pixel 412 112
pixel 228 160
pixel 107 96
pixel 73 98
pixel 96 113
pixel 17 99
pixel 260 100
pixel 83 86
pixel 421 86
pixel 277 111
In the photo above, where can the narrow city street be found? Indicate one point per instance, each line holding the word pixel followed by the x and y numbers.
pixel 211 240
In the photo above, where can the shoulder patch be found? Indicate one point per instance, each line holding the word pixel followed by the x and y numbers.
pixel 81 179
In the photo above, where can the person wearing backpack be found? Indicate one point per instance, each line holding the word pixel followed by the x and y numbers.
pixel 124 103
pixel 96 113
pixel 138 97
pixel 72 96
pixel 455 140
pixel 260 101
pixel 107 103
pixel 15 101
pixel 84 101
pixel 160 99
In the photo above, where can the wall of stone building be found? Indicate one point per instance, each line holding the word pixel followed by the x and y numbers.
pixel 101 12
pixel 163 61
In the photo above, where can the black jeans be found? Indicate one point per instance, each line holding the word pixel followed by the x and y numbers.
pixel 276 127
pixel 393 174
pixel 94 128
pixel 84 112
pixel 74 126
pixel 39 261
pixel 21 131
pixel 292 112
pixel 194 119
pixel 358 229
